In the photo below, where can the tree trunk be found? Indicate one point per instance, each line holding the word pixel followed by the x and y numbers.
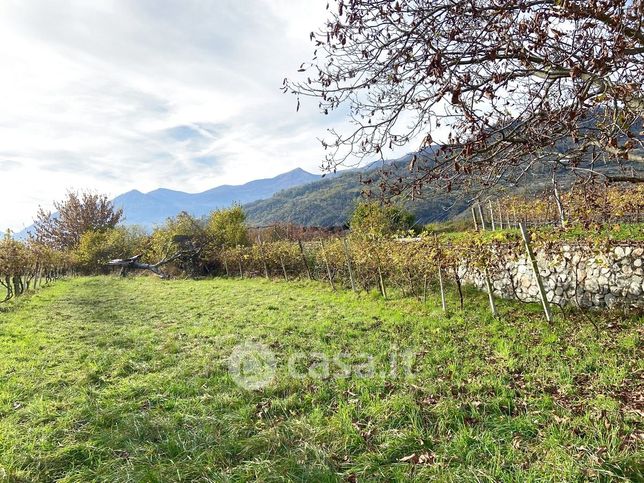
pixel 560 206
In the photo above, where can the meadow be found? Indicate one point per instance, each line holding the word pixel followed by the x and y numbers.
pixel 128 379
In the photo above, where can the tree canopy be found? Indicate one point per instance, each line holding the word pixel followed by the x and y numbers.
pixel 227 227
pixel 374 220
pixel 77 214
pixel 511 86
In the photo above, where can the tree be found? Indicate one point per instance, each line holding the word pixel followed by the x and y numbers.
pixel 374 220
pixel 96 248
pixel 513 85
pixel 77 214
pixel 180 241
pixel 227 227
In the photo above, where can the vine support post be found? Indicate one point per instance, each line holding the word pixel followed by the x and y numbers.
pixel 516 220
pixel 440 282
pixel 535 269
pixel 328 267
pixel 558 201
pixel 283 268
pixel 306 263
pixel 425 289
pixel 383 290
pixel 476 225
pixel 478 204
pixel 490 292
pixel 459 287
pixel 491 215
pixel 498 205
pixel 348 257
pixel 261 252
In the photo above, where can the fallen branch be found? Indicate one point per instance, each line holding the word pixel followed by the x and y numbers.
pixel 133 263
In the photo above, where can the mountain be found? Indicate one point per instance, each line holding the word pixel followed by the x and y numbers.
pixel 330 201
pixel 148 209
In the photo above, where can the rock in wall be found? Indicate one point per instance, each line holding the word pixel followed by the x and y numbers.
pixel 571 274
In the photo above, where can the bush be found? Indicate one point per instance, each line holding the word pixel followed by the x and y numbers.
pixel 96 248
pixel 27 264
pixel 375 220
pixel 227 227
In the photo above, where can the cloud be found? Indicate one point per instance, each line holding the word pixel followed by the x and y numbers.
pixel 118 95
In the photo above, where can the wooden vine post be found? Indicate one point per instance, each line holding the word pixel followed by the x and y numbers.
pixel 440 273
pixel 481 215
pixel 535 269
pixel 328 268
pixel 348 257
pixel 440 282
pixel 498 205
pixel 491 215
pixel 476 225
pixel 306 263
pixel 424 288
pixel 383 290
pixel 261 252
pixel 283 268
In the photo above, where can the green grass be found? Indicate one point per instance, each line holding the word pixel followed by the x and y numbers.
pixel 127 380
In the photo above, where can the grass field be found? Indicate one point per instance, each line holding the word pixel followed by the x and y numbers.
pixel 128 380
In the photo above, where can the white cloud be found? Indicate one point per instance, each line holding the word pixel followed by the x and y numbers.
pixel 117 95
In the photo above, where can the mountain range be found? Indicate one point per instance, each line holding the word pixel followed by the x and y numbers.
pixel 330 202
pixel 297 197
pixel 303 198
pixel 153 208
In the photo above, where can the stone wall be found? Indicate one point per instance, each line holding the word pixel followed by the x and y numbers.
pixel 572 275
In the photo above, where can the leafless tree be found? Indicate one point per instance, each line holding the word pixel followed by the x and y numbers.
pixel 75 215
pixel 513 85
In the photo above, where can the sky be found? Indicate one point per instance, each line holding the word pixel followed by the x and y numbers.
pixel 114 95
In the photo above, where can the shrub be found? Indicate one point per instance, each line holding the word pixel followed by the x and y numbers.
pixel 227 227
pixel 375 220
pixel 96 248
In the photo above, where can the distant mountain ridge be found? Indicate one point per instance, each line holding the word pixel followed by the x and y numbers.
pixel 308 199
pixel 149 209
pixel 153 208
pixel 330 201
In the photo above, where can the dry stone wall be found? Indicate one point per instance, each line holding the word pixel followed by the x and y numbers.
pixel 571 274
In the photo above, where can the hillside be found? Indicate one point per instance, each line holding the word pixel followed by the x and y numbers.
pixel 330 202
pixel 154 207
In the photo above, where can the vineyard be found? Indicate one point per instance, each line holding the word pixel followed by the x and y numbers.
pixel 588 205
pixel 408 266
pixel 29 266
pixel 128 378
pixel 142 389
pixel 365 259
pixel 596 220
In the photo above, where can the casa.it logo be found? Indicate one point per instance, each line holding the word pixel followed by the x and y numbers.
pixel 252 365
